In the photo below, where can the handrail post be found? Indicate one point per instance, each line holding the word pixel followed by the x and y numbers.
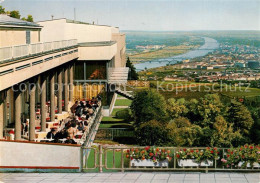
pixel 100 159
pixel 81 159
pixel 122 160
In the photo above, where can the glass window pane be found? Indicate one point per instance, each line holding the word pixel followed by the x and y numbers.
pixel 79 70
pixel 96 70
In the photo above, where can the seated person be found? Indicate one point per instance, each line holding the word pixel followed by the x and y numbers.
pixel 85 126
pixel 85 111
pixel 93 100
pixel 69 140
pixel 80 127
pixel 90 111
pixel 73 108
pixel 61 134
pixel 51 134
pixel 88 104
pixel 99 98
pixel 79 111
pixel 72 130
pixel 26 127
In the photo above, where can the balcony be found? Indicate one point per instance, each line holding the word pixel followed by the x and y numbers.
pixel 8 54
pixel 18 63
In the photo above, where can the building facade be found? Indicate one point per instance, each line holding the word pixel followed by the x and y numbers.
pixel 45 67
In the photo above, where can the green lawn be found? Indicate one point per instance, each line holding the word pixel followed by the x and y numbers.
pixel 118 109
pixel 113 122
pixel 123 102
pixel 91 161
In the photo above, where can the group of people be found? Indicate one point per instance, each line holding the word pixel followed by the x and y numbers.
pixel 85 109
pixel 78 123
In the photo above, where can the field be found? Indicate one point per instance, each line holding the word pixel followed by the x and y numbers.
pixel 172 44
pixel 161 53
pixel 189 90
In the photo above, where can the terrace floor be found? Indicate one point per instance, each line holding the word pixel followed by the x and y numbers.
pixel 135 177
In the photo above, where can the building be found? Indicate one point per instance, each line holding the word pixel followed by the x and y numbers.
pixel 101 52
pixel 240 64
pixel 253 64
pixel 18 32
pixel 34 57
pixel 44 68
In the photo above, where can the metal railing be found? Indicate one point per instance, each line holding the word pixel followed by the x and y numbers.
pixel 114 159
pixel 111 133
pixel 12 52
pixel 86 137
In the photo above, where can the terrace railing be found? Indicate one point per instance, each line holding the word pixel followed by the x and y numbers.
pixel 13 52
pixel 111 133
pixel 115 159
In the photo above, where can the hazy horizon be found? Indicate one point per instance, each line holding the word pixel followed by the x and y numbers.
pixel 148 15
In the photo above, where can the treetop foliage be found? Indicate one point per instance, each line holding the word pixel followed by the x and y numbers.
pixel 15 14
pixel 204 122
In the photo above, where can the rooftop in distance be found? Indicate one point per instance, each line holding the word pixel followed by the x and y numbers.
pixel 7 20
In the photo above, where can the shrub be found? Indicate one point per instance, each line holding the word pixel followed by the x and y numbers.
pixel 148 105
pixel 151 133
pixel 123 114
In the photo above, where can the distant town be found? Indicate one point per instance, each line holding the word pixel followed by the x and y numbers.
pixel 229 62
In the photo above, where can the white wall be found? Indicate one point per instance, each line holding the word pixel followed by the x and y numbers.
pixel 60 30
pixel 18 154
pixel 97 52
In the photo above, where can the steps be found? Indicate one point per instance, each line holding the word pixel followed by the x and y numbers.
pixel 125 94
pixel 118 75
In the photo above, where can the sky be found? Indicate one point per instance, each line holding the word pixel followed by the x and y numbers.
pixel 148 15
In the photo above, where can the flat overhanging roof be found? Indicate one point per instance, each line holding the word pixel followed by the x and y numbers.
pixel 6 21
pixel 96 44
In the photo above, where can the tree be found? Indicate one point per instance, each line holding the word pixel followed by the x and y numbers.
pixel 15 14
pixel 151 133
pixel 2 10
pixel 132 75
pixel 209 107
pixel 176 108
pixel 148 105
pixel 240 116
pixel 182 133
pixel 255 129
pixel 223 133
pixel 29 18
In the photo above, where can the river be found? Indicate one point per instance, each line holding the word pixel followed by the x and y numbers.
pixel 209 46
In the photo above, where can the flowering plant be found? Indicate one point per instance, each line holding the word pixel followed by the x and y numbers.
pixel 148 152
pixel 244 154
pixel 199 155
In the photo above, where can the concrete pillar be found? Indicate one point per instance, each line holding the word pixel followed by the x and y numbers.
pixel 38 90
pixel 11 106
pixel 85 91
pixel 32 112
pixel 71 83
pixel 5 110
pixel 43 103
pixel 18 110
pixel 66 90
pixel 2 114
pixel 52 95
pixel 60 88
